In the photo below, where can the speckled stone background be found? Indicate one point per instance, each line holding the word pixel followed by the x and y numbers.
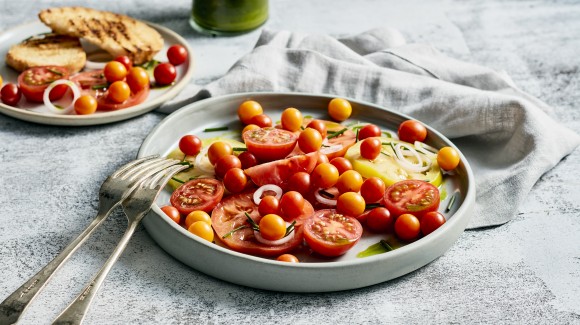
pixel 526 271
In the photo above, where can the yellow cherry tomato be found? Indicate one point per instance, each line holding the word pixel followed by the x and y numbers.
pixel 119 91
pixel 324 175
pixel 201 229
pixel 196 216
pixel 115 71
pixel 250 127
pixel 288 258
pixel 272 227
pixel 350 203
pixel 86 104
pixel 309 140
pixel 1 81
pixel 448 158
pixel 217 150
pixel 137 79
pixel 349 181
pixel 291 119
pixel 339 109
pixel 249 109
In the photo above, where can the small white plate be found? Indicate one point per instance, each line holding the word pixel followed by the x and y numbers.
pixel 313 274
pixel 39 113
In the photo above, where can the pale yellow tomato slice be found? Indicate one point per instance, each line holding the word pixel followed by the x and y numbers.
pixel 386 167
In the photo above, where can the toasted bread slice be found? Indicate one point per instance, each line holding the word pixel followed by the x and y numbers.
pixel 116 34
pixel 49 49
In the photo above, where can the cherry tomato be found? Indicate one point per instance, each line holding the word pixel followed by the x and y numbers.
pixel 176 54
pixel 217 150
pixel 291 205
pixel 330 233
pixel 126 61
pixel 412 131
pixel 269 205
pixel 299 182
pixel 322 159
pixel 309 140
pixel 342 164
pixel 370 148
pixel 379 220
pixel 287 258
pixel 190 145
pixel 34 81
pixel 373 189
pixel 250 127
pixel 195 216
pixel 261 120
pixel 324 175
pixel 448 158
pixel 235 180
pixel 431 221
pixel 319 126
pixel 1 81
pixel 350 203
pixel 249 109
pixel 172 213
pixel 164 73
pixel 369 131
pixel 86 104
pixel 411 196
pixel 10 94
pixel 272 227
pixel 118 92
pixel 269 144
pixel 201 229
pixel 247 159
pixel 291 119
pixel 349 181
pixel 115 71
pixel 407 227
pixel 198 194
pixel 138 79
pixel 339 109
pixel 225 163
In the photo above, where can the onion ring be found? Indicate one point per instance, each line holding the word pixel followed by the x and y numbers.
pixel 421 146
pixel 323 200
pixel 264 188
pixel 403 162
pixel 277 242
pixel 46 98
pixel 203 164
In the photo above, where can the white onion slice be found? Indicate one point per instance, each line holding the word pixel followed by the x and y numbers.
pixel 203 164
pixel 264 188
pixel 278 242
pixel 323 200
pixel 410 152
pixel 330 149
pixel 423 147
pixel 46 96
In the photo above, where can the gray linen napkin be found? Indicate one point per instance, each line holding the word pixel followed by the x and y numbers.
pixel 507 135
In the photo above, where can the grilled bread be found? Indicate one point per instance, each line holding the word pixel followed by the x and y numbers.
pixel 48 49
pixel 114 33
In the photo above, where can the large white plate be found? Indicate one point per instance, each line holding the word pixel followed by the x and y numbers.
pixel 38 113
pixel 312 274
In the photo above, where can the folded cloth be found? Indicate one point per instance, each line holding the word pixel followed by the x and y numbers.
pixel 506 135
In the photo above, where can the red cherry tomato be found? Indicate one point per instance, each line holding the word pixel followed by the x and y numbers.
pixel 10 94
pixel 164 73
pixel 291 205
pixel 379 220
pixel 330 233
pixel 299 182
pixel 261 120
pixel 269 144
pixel 172 213
pixel 370 148
pixel 369 131
pixel 190 145
pixel 269 205
pixel 34 81
pixel 198 194
pixel 126 61
pixel 411 131
pixel 431 221
pixel 342 164
pixel 411 196
pixel 235 180
pixel 225 163
pixel 407 227
pixel 318 125
pixel 247 159
pixel 373 189
pixel 176 54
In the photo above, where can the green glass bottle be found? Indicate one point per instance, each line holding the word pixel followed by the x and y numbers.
pixel 227 17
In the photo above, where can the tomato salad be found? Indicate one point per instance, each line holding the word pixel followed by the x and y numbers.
pixel 108 86
pixel 306 185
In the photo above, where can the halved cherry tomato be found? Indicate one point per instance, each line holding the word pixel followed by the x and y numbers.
pixel 269 144
pixel 190 145
pixel 369 131
pixel 198 194
pixel 34 81
pixel 172 213
pixel 411 196
pixel 330 233
pixel 431 221
pixel 164 73
pixel 412 131
pixel 278 172
pixel 176 54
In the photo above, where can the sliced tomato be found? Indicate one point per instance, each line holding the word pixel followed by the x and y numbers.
pixel 34 81
pixel 135 99
pixel 411 196
pixel 269 144
pixel 330 233
pixel 198 194
pixel 278 172
pixel 229 215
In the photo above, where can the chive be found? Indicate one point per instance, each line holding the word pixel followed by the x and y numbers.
pixel 325 146
pixel 231 232
pixel 356 139
pixel 388 134
pixel 178 180
pixel 386 154
pixel 186 163
pixel 385 245
pixel 357 127
pixel 290 228
pixel 451 201
pixel 372 206
pixel 337 133
pixel 302 128
pixel 394 151
pixel 252 222
pixel 95 87
pixel 326 194
pixel 307 116
pixel 55 71
pixel 239 149
pixel 58 106
pixel 222 128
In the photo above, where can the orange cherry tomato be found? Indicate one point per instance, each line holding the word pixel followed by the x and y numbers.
pixel 448 158
pixel 349 181
pixel 407 227
pixel 249 109
pixel 288 258
pixel 217 150
pixel 339 109
pixel 291 119
pixel 115 71
pixel 137 79
pixel 119 91
pixel 324 175
pixel 195 216
pixel 272 227
pixel 309 140
pixel 86 104
pixel 350 203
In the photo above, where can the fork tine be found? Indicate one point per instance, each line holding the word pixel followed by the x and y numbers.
pixel 135 168
pixel 151 169
pixel 165 174
pixel 131 164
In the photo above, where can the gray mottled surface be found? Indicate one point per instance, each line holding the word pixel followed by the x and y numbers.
pixel 527 271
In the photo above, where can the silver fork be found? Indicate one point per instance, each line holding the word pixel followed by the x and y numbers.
pixel 113 191
pixel 135 207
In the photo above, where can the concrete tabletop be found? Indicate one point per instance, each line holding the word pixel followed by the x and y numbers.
pixel 524 272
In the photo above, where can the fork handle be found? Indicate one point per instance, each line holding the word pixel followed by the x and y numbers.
pixel 12 307
pixel 76 310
